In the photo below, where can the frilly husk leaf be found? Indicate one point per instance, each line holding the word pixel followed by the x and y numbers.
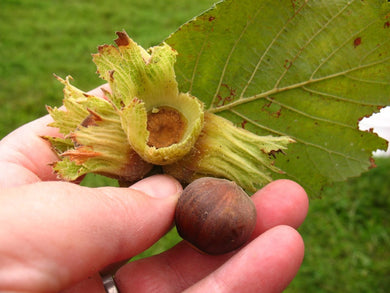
pixel 94 139
pixel 142 81
pixel 226 151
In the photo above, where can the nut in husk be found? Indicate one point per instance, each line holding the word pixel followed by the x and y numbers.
pixel 150 106
pixel 145 120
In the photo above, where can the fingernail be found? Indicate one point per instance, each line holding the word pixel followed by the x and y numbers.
pixel 158 186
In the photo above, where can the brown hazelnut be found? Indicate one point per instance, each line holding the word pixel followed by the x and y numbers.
pixel 215 215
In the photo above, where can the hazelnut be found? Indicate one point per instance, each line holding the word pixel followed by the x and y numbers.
pixel 215 215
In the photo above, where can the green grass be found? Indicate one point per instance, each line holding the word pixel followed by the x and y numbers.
pixel 347 232
pixel 39 38
pixel 347 236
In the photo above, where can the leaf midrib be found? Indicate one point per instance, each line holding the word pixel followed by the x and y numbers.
pixel 274 91
pixel 261 58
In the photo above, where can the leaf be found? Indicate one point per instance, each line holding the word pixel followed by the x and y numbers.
pixel 306 69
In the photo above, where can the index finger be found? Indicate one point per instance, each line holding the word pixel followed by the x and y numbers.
pixel 279 204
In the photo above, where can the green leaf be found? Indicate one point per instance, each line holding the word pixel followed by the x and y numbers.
pixel 306 69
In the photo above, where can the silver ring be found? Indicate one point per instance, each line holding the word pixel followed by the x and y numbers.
pixel 109 284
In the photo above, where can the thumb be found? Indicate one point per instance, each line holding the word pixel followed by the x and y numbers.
pixel 56 233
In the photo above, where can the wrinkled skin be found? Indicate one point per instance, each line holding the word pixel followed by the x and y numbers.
pixel 56 236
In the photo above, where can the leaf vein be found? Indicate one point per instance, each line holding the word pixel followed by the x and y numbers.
pixel 379 82
pixel 194 70
pixel 308 115
pixel 267 50
pixel 373 50
pixel 293 86
pixel 348 40
pixel 228 60
pixel 311 40
pixel 336 97
pixel 302 141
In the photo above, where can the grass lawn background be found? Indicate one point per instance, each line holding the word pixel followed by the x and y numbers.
pixel 346 233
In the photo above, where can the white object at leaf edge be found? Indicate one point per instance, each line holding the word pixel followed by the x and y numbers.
pixel 380 123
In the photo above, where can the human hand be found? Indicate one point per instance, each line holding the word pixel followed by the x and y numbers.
pixel 57 235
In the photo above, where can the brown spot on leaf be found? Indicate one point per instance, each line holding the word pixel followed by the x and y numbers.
pixel 211 18
pixel 91 119
pixel 387 24
pixel 372 163
pixel 243 123
pixel 287 64
pixel 273 153
pixel 102 47
pixel 293 3
pixel 357 42
pixel 231 95
pixel 218 101
pixel 272 109
pixel 123 39
pixel 225 95
pixel 369 115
